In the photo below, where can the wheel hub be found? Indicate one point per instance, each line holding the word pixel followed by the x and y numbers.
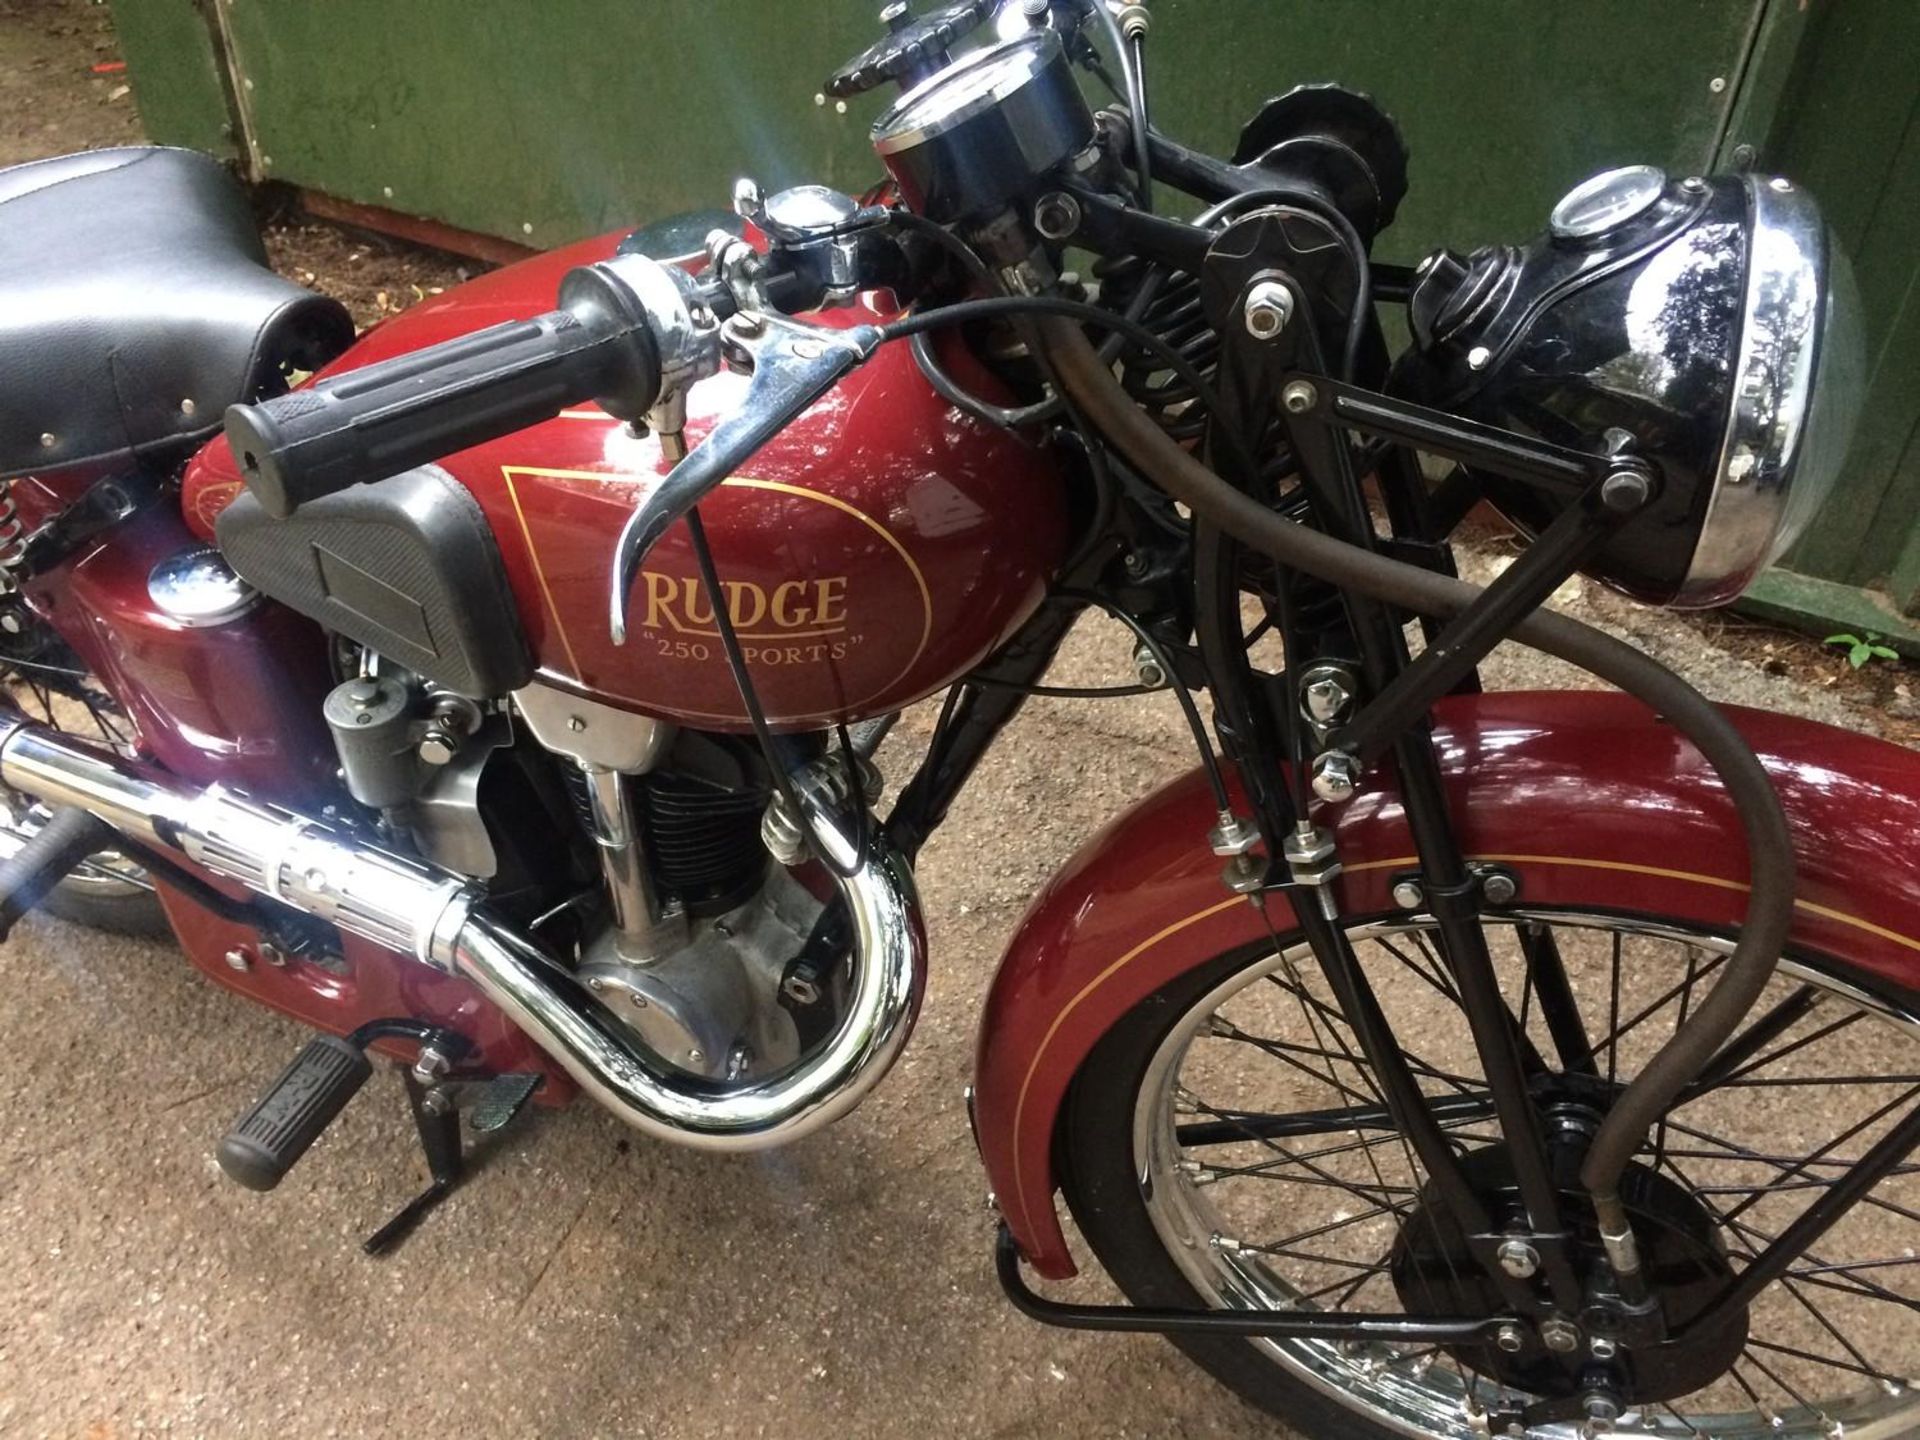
pixel 1683 1258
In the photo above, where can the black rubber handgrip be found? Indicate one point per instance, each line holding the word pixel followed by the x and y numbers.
pixel 47 858
pixel 266 1141
pixel 374 422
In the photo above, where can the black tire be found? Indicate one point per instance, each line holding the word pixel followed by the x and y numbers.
pixel 50 686
pixel 138 914
pixel 1101 1176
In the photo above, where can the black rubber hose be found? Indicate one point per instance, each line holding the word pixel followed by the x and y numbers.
pixel 1091 385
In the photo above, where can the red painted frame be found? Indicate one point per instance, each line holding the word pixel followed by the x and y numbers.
pixel 1589 799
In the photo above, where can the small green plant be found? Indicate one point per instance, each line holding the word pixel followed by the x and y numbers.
pixel 1861 649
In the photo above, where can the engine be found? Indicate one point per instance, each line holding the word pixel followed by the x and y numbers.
pixel 633 849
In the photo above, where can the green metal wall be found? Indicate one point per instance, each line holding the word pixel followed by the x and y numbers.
pixel 1848 122
pixel 574 116
pixel 545 122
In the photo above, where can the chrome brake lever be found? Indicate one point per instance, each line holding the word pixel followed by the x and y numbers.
pixel 792 365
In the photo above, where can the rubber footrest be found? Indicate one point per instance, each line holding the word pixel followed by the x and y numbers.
pixel 499 1100
pixel 266 1141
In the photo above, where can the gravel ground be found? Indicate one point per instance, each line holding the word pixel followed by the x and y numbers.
pixel 585 1283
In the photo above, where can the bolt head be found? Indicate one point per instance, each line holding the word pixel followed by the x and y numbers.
pixel 1408 895
pixel 1056 216
pixel 271 953
pixel 1519 1259
pixel 1510 1339
pixel 1499 888
pixel 438 746
pixel 1602 1348
pixel 1299 397
pixel 576 724
pixel 1147 665
pixel 237 959
pixel 1625 491
pixel 1325 698
pixel 1560 1337
pixel 11 624
pixel 1478 357
pixel 1335 776
pixel 1269 307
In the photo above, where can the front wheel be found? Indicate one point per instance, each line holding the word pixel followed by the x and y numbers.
pixel 1226 1146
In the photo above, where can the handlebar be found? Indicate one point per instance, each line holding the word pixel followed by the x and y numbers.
pixel 619 334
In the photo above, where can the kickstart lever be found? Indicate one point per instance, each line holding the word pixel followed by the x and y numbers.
pixel 791 365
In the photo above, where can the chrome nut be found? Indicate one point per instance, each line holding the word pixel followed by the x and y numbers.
pixel 1057 215
pixel 1325 693
pixel 1233 834
pixel 1269 307
pixel 1336 775
pixel 1560 1336
pixel 438 746
pixel 1519 1259
pixel 1499 887
pixel 1147 665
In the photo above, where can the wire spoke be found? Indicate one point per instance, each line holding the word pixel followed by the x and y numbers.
pixel 1325 1176
pixel 1800 1166
pixel 1344 1154
pixel 1686 999
pixel 1774 1349
pixel 1773 1056
pixel 1613 1014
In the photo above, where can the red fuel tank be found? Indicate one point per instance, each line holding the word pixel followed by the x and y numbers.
pixel 879 548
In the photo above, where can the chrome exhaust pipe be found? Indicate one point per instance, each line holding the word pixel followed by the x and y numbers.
pixel 436 918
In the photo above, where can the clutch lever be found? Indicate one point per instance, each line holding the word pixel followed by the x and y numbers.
pixel 791 365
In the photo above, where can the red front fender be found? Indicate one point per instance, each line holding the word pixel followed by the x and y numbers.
pixel 1589 799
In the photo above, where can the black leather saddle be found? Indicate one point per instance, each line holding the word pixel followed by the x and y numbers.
pixel 135 306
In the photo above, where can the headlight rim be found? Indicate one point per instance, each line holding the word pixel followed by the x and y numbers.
pixel 1759 459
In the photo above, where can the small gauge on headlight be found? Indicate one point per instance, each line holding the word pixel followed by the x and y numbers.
pixel 967 141
pixel 1712 321
pixel 1609 199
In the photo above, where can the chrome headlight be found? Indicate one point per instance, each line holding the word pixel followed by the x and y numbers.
pixel 1713 322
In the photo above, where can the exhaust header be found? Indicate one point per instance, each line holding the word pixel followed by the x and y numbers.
pixel 437 918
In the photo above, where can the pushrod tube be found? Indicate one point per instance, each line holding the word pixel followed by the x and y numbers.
pixel 1769 843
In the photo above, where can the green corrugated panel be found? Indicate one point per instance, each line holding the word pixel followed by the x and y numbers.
pixel 1849 128
pixel 1505 104
pixel 178 82
pixel 546 122
pixel 574 117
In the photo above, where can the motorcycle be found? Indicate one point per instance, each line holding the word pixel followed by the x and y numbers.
pixel 504 693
